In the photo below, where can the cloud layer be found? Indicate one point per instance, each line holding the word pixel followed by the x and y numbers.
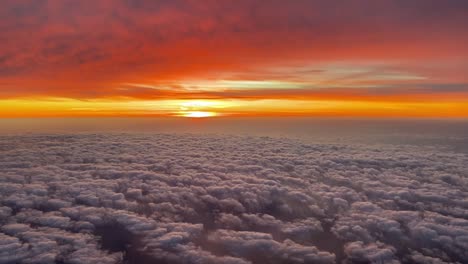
pixel 129 198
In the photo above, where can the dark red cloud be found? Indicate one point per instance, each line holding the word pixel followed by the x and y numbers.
pixel 61 47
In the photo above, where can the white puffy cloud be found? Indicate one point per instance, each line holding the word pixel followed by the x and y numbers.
pixel 108 198
pixel 374 253
pixel 261 247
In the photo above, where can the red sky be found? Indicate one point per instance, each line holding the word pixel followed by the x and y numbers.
pixel 116 57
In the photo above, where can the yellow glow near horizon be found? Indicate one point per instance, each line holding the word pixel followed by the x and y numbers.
pixel 201 108
pixel 198 104
pixel 197 114
pixel 62 107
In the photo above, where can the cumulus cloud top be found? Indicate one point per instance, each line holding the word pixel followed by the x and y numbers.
pixel 128 198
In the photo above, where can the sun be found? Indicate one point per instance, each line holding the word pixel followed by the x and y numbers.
pixel 198 114
pixel 198 108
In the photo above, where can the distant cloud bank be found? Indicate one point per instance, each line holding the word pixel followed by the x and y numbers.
pixel 128 198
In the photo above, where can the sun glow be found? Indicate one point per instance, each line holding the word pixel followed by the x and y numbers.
pixel 198 114
pixel 64 107
pixel 200 108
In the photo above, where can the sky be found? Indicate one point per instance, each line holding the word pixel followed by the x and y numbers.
pixel 65 58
